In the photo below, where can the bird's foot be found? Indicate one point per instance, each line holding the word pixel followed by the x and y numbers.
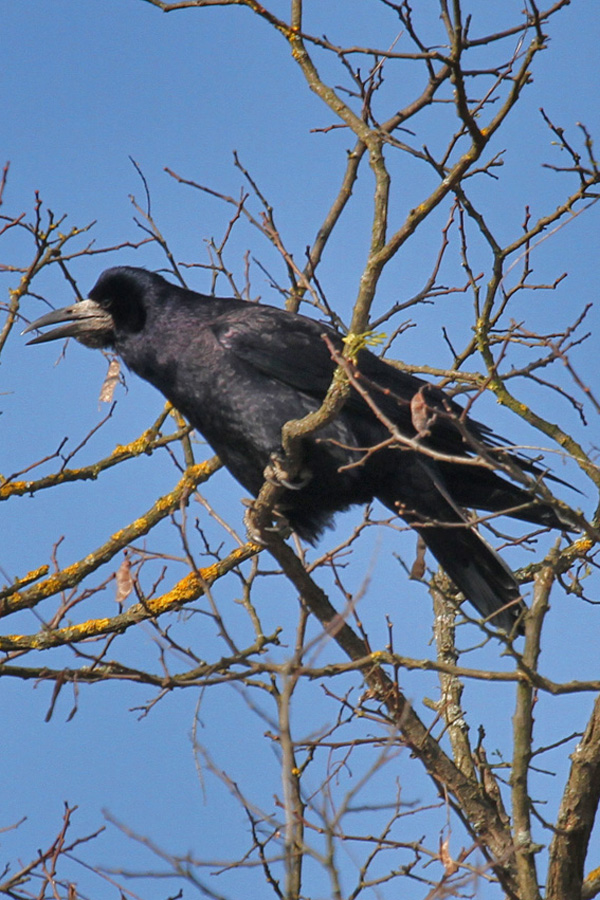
pixel 258 531
pixel 277 473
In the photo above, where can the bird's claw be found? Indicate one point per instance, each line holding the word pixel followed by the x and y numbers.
pixel 277 473
pixel 259 533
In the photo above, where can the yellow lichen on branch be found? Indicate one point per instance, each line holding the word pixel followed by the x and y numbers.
pixel 185 591
pixel 73 574
pixel 145 443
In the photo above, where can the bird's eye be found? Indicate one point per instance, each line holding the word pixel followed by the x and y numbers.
pixel 124 300
pixel 128 313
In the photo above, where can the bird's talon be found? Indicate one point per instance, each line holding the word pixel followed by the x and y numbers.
pixel 276 473
pixel 259 533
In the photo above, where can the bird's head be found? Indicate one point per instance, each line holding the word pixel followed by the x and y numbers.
pixel 116 307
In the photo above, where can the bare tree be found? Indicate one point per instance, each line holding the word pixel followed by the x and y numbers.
pixel 323 833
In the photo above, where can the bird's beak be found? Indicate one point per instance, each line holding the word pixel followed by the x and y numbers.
pixel 87 321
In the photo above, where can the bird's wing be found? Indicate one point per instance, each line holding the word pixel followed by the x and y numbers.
pixel 285 348
pixel 292 350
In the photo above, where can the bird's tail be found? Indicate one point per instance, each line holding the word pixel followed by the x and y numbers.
pixel 484 489
pixel 478 571
pixel 472 564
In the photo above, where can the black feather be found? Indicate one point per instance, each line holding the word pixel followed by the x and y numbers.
pixel 239 371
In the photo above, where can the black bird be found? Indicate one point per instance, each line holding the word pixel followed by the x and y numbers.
pixel 239 371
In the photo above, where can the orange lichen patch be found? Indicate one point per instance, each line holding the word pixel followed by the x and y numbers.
pixel 593 875
pixel 13 487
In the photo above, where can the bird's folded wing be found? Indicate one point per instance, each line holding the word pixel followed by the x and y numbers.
pixel 292 352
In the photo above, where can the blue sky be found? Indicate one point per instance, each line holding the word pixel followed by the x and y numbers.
pixel 86 86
